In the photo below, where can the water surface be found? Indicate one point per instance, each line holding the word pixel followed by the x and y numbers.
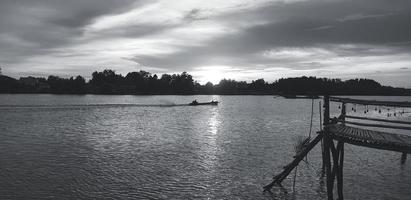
pixel 139 147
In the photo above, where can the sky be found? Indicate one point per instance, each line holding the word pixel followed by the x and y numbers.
pixel 214 39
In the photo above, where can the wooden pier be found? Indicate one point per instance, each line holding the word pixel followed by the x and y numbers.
pixel 340 129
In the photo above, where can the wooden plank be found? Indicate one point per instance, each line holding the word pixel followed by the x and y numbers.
pixel 381 135
pixel 354 133
pixel 390 139
pixel 361 134
pixel 405 138
pixel 341 128
pixel 375 136
pixel 400 140
pixel 369 136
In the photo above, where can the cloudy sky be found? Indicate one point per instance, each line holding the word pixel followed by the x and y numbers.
pixel 213 39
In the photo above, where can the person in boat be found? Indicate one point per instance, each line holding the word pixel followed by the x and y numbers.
pixel 194 102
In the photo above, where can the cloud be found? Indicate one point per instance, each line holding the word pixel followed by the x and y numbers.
pixel 353 17
pixel 246 39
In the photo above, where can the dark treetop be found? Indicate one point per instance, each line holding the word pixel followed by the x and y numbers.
pixel 144 83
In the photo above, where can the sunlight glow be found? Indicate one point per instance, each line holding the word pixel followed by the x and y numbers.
pixel 213 74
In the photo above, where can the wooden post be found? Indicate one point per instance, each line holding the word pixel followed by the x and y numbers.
pixel 343 113
pixel 403 158
pixel 323 156
pixel 340 149
pixel 327 142
pixel 322 141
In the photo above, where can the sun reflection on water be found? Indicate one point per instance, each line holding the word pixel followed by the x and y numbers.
pixel 214 122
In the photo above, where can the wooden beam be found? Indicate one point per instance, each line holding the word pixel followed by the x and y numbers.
pixel 372 102
pixel 378 119
pixel 377 125
pixel 288 168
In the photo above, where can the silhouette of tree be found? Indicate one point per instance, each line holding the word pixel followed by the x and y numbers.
pixel 182 84
pixel 137 81
pixel 9 85
pixel 106 82
pixel 143 82
pixel 67 86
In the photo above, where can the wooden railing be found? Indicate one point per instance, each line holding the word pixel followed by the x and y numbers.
pixel 343 115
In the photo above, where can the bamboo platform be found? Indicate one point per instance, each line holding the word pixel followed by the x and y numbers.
pixel 370 138
pixel 336 130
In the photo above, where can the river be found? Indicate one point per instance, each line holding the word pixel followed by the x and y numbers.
pixel 152 147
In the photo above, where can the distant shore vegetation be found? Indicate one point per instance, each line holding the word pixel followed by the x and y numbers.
pixel 145 83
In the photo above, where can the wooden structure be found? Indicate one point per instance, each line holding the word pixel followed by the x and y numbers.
pixel 340 130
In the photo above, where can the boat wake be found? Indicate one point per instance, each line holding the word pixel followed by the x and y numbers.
pixel 87 106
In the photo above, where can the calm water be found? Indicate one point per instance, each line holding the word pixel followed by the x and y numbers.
pixel 146 147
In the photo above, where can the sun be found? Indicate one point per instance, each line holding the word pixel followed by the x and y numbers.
pixel 210 74
pixel 213 74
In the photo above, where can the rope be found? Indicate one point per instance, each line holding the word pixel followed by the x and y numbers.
pixel 319 107
pixel 312 114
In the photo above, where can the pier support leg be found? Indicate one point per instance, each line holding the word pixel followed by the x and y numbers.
pixel 328 170
pixel 403 158
pixel 334 168
pixel 328 141
pixel 336 153
pixel 340 153
pixel 323 158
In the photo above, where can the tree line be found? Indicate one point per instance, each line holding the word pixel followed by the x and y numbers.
pixel 145 83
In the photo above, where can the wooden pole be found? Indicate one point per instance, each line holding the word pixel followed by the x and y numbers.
pixel 323 156
pixel 328 174
pixel 334 166
pixel 343 113
pixel 322 141
pixel 340 174
pixel 340 149
pixel 288 168
pixel 327 143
